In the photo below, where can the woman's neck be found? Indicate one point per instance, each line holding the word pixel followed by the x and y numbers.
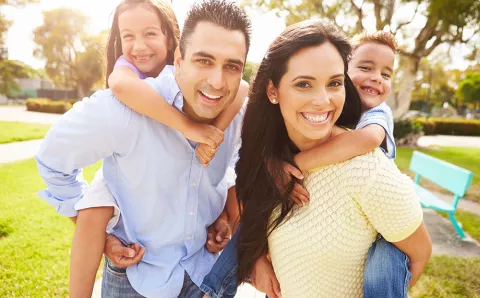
pixel 304 144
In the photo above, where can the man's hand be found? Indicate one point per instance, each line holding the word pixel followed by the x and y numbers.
pixel 263 278
pixel 299 194
pixel 204 133
pixel 205 153
pixel 219 233
pixel 122 256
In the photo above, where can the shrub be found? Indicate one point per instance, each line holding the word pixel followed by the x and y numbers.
pixel 404 128
pixel 46 105
pixel 449 126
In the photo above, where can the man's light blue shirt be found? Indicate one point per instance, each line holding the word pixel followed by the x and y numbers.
pixel 381 115
pixel 167 198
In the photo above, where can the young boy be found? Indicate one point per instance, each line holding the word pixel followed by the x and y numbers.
pixel 370 69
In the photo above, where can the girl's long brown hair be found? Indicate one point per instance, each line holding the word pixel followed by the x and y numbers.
pixel 169 27
pixel 265 142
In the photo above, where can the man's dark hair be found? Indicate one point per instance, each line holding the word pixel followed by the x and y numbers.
pixel 225 14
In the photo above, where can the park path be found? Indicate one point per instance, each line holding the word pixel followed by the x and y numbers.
pixel 444 237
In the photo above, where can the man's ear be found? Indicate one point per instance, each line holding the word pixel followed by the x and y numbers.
pixel 177 57
pixel 272 92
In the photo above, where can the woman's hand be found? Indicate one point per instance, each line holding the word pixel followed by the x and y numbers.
pixel 263 278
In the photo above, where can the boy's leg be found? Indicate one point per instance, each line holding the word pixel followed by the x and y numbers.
pixel 386 271
pixel 115 282
pixel 221 281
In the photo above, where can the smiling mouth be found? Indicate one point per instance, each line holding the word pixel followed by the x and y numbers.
pixel 316 118
pixel 371 91
pixel 142 58
pixel 210 98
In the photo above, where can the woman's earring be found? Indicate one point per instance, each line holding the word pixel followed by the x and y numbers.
pixel 274 101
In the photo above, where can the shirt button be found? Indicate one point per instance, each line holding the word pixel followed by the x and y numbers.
pixel 194 184
pixel 191 212
pixel 189 237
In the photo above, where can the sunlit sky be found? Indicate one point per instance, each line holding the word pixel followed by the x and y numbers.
pixel 266 26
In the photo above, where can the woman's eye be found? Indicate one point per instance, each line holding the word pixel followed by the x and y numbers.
pixel 335 84
pixel 151 34
pixel 127 36
pixel 386 75
pixel 303 85
pixel 366 68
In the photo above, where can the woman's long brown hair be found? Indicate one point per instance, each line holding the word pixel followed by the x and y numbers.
pixel 265 140
pixel 169 27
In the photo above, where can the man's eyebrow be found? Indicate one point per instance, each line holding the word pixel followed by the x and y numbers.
pixel 210 56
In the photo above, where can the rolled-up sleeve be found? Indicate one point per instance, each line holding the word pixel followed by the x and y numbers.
pixel 83 136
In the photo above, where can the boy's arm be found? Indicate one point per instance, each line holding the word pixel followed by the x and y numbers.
pixel 342 147
pixel 223 120
pixel 142 98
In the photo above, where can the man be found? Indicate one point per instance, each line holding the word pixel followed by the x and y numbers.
pixel 166 197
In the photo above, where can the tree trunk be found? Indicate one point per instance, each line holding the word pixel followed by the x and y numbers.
pixel 401 103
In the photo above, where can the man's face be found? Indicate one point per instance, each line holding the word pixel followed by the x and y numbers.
pixel 209 74
pixel 371 70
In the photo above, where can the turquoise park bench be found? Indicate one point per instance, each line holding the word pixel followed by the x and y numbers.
pixel 450 177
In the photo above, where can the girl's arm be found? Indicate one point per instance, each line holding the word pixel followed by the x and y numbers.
pixel 341 147
pixel 223 120
pixel 142 98
pixel 87 249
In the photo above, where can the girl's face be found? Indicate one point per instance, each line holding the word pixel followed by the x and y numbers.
pixel 311 94
pixel 143 42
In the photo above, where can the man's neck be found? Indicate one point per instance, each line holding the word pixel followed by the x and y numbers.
pixel 187 109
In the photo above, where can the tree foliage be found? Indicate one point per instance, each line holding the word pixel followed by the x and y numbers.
pixel 444 22
pixel 73 58
pixel 469 88
pixel 10 70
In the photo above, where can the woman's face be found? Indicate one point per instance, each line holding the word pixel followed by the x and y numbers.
pixel 311 94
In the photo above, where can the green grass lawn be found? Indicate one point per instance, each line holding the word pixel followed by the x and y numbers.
pixel 34 240
pixel 19 131
pixel 467 158
pixel 447 277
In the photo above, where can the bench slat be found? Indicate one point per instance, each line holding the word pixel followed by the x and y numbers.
pixel 429 200
pixel 449 176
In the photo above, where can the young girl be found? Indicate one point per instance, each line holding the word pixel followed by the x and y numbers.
pixel 143 37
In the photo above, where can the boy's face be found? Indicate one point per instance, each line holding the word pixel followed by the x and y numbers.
pixel 371 70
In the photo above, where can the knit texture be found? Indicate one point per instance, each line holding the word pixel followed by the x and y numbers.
pixel 320 251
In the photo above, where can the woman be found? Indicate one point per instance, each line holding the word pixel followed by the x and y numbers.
pixel 301 97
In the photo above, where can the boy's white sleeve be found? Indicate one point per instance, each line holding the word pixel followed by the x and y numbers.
pixel 381 115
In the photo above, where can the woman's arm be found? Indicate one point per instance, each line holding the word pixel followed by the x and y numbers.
pixel 142 98
pixel 418 248
pixel 341 147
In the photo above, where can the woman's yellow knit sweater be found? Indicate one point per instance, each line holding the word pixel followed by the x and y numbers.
pixel 320 251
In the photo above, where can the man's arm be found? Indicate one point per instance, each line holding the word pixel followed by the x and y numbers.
pixel 92 130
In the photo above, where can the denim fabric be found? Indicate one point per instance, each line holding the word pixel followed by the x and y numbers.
pixel 221 281
pixel 115 284
pixel 386 271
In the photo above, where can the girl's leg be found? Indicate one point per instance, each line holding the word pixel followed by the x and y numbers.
pixel 87 249
pixel 221 281
pixel 386 271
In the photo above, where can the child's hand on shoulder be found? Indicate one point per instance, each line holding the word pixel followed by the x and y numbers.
pixel 205 153
pixel 204 133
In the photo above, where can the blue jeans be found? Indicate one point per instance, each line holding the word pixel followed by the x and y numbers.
pixel 115 284
pixel 386 272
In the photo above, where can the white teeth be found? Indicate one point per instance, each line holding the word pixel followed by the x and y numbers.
pixel 210 95
pixel 143 58
pixel 316 118
pixel 370 90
